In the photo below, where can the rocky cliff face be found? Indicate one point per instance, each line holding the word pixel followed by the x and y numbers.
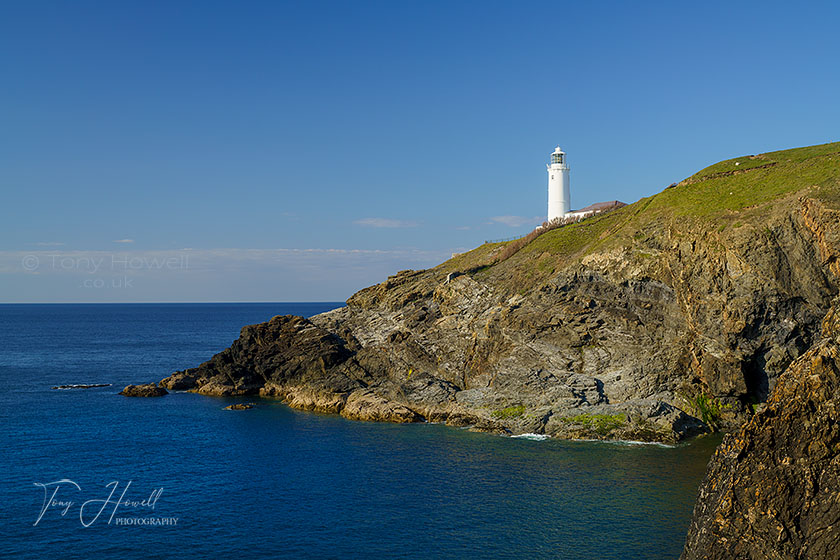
pixel 656 321
pixel 772 489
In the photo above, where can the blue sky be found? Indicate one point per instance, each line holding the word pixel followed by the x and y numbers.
pixel 302 151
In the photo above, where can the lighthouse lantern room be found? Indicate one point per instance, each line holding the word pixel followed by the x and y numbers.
pixel 558 185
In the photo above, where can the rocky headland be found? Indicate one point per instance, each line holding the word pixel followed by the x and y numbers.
pixel 657 321
pixel 709 306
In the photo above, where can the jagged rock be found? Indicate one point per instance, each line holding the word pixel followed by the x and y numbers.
pixel 461 419
pixel 677 325
pixel 490 427
pixel 367 405
pixel 266 357
pixel 772 488
pixel 304 398
pixel 147 390
pixel 641 420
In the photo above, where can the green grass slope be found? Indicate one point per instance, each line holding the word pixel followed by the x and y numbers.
pixel 728 194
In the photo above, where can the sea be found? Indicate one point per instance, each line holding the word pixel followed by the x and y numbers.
pixel 87 473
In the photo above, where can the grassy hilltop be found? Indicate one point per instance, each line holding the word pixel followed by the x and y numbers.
pixel 727 195
pixel 662 319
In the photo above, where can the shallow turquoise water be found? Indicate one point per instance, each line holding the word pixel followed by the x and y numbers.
pixel 273 482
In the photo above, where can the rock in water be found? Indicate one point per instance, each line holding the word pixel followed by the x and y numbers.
pixel 239 406
pixel 772 489
pixel 82 386
pixel 147 390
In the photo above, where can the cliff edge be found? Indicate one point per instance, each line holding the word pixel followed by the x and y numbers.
pixel 656 321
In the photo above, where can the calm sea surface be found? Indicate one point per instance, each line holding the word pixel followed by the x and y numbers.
pixel 87 473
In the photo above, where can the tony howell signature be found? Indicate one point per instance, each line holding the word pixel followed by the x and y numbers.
pixel 59 494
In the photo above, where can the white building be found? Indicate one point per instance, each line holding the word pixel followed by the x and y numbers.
pixel 559 200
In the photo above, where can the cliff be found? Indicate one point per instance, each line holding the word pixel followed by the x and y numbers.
pixel 773 487
pixel 656 321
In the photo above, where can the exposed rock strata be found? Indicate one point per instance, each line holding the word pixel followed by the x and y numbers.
pixel 772 490
pixel 616 344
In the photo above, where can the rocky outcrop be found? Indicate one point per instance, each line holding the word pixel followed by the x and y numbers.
pixel 773 487
pixel 147 390
pixel 368 405
pixel 655 321
pixel 677 330
pixel 273 358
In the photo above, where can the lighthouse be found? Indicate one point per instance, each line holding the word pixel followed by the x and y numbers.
pixel 558 185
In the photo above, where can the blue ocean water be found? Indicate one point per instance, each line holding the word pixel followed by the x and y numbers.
pixel 272 482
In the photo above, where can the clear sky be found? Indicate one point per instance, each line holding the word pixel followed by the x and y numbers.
pixel 271 151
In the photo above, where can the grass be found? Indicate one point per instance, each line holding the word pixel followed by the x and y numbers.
pixel 478 258
pixel 574 237
pixel 708 409
pixel 708 196
pixel 718 199
pixel 509 412
pixel 708 193
pixel 601 424
pixel 743 163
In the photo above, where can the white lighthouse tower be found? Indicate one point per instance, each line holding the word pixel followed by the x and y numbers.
pixel 559 201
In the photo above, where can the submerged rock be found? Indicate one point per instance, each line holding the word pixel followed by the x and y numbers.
pixel 147 390
pixel 240 406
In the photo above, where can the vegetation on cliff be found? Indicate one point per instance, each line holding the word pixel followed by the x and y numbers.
pixel 655 321
pixel 741 192
pixel 703 307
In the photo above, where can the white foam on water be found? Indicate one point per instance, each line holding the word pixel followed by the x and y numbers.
pixel 628 442
pixel 532 437
pixel 81 386
pixel 654 443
